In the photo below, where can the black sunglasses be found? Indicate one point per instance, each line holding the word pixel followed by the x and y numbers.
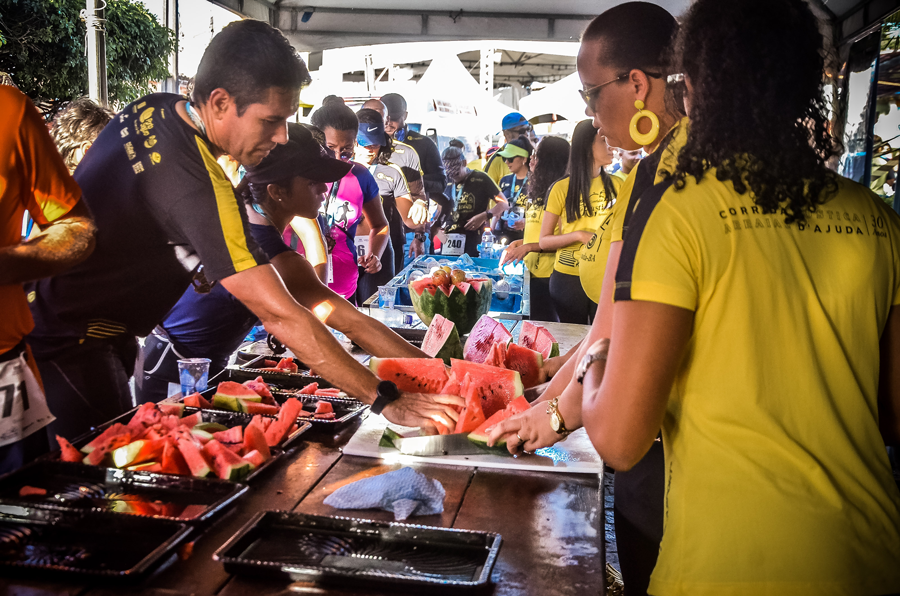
pixel 590 95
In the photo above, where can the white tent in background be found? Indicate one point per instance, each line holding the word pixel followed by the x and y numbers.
pixel 560 98
pixel 447 94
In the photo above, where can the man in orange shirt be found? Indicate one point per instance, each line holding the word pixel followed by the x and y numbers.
pixel 33 178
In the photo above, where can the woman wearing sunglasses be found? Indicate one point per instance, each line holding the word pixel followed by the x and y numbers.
pixel 623 59
pixel 578 204
pixel 517 156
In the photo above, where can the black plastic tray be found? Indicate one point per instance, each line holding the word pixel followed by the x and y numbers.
pixel 346 409
pixel 82 487
pixel 228 419
pixel 346 551
pixel 86 543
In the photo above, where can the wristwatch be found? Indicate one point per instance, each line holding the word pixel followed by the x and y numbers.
pixel 420 236
pixel 386 393
pixel 556 420
pixel 591 357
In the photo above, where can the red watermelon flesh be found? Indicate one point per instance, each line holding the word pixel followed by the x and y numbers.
pixel 68 452
pixel 194 459
pixel 112 431
pixel 236 390
pixel 171 409
pixel 527 362
pixel 195 400
pixel 235 434
pixel 309 389
pixel 323 407
pixel 96 457
pixel 259 386
pixel 172 461
pixel 254 458
pixel 499 386
pixel 287 365
pixel 536 337
pixel 424 284
pixel 148 414
pixel 191 421
pixel 255 440
pixel 482 338
pixel 414 375
pixel 517 406
pixel 226 464
pixel 451 387
pixel 472 415
pixel 254 408
pixel 281 428
pixel 497 357
pixel 528 334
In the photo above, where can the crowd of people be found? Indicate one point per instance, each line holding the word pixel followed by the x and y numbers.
pixel 742 370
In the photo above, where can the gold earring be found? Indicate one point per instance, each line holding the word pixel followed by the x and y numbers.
pixel 643 139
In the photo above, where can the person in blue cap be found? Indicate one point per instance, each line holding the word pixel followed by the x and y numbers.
pixel 515 126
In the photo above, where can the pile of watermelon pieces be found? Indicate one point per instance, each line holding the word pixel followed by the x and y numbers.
pixel 159 438
pixel 492 394
pixel 255 397
pixel 285 365
pixel 490 342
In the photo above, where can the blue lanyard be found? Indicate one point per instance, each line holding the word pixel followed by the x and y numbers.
pixel 513 200
pixel 196 120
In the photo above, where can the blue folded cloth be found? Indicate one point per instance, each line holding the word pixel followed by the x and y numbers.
pixel 404 491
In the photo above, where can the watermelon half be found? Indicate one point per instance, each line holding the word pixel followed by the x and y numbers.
pixel 498 386
pixel 442 340
pixel 481 340
pixel 462 303
pixel 414 375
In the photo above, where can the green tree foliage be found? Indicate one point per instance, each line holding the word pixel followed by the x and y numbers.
pixel 42 45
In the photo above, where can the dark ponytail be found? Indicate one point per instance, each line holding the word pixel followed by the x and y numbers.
pixel 581 173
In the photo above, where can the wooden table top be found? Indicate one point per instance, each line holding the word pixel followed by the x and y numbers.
pixel 551 523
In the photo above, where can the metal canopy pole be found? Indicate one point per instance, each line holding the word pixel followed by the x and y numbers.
pixel 95 19
pixel 171 84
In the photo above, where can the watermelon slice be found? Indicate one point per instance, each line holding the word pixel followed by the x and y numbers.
pixel 484 335
pixel 324 416
pixel 176 410
pixel 442 340
pixel 191 421
pixel 287 365
pixel 497 356
pixel 235 434
pixel 101 450
pixel 479 436
pixel 323 407
pixel 147 414
pixel 414 375
pixel 255 459
pixel 195 400
pixel 255 440
pixel 499 386
pixel 309 389
pixel 259 387
pixel 472 415
pixel 236 390
pixel 172 461
pixel 252 408
pixel 226 464
pixel 281 428
pixel 201 435
pixel 231 404
pixel 138 452
pixel 451 387
pixel 194 459
pixel 527 362
pixel 68 452
pixel 536 337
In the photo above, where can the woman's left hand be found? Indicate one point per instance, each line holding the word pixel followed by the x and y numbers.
pixel 526 431
pixel 519 225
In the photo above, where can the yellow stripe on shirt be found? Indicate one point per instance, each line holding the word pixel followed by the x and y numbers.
pixel 229 212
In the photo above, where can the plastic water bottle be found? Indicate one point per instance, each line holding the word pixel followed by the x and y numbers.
pixel 486 248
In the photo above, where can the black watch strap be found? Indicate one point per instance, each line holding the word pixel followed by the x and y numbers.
pixel 386 393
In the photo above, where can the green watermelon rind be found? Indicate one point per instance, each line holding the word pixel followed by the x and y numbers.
pixel 463 309
pixel 554 350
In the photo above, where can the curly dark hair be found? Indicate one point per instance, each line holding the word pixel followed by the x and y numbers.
pixel 758 112
pixel 552 155
pixel 78 123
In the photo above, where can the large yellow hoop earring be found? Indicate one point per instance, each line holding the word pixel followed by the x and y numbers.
pixel 643 139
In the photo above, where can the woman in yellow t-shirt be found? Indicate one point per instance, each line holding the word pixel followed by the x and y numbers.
pixel 548 164
pixel 577 207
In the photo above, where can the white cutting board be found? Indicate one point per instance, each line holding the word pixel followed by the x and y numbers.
pixel 574 455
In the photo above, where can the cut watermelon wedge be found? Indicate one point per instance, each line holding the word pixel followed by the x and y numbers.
pixel 138 452
pixel 472 415
pixel 414 375
pixel 68 452
pixel 479 436
pixel 499 386
pixel 255 440
pixel 482 338
pixel 195 400
pixel 226 464
pixel 196 463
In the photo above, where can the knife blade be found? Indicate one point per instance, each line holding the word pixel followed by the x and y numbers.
pixel 438 445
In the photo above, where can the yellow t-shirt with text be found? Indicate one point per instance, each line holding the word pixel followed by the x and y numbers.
pixel 777 478
pixel 540 264
pixel 595 253
pixel 568 257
